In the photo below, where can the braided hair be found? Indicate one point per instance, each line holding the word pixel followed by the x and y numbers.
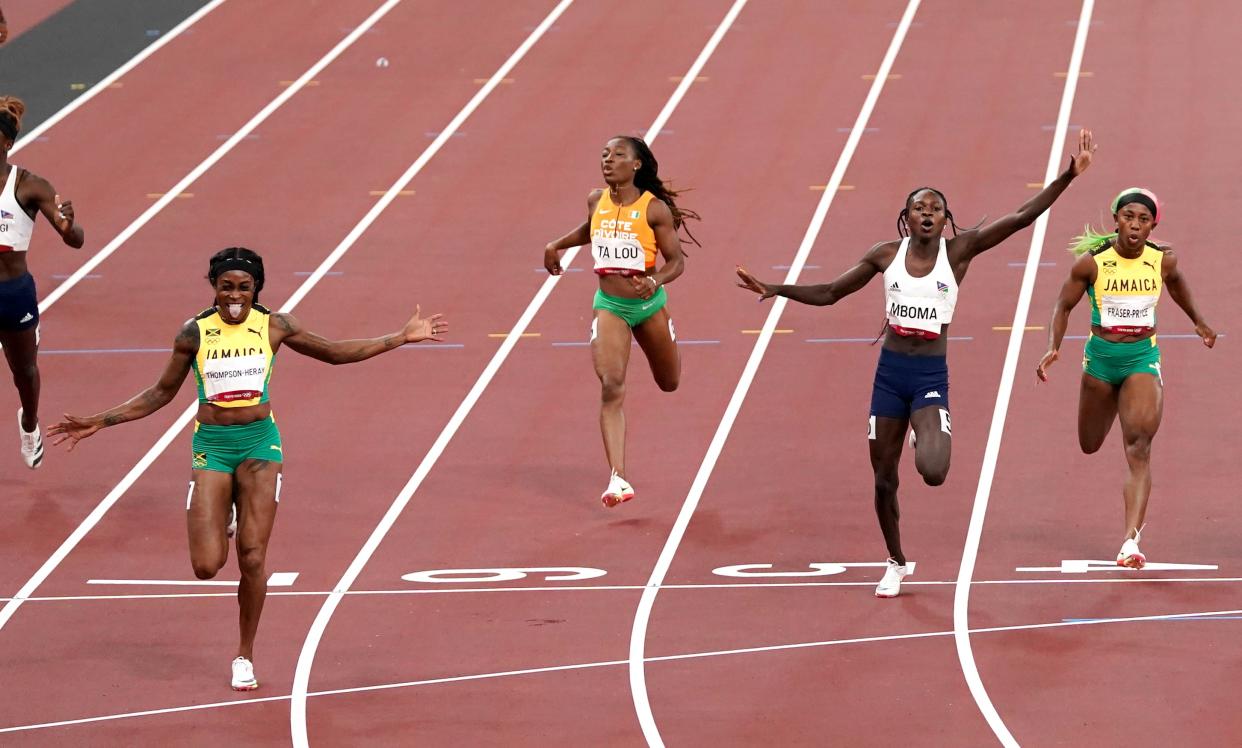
pixel 903 230
pixel 237 258
pixel 647 178
pixel 11 111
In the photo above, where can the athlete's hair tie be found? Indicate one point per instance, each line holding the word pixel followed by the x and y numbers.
pixel 8 125
pixel 237 258
pixel 1142 197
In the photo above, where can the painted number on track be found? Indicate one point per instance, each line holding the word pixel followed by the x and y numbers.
pixel 550 574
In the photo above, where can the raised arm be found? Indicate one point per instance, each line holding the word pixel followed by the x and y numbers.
pixel 1179 291
pixel 1082 275
pixel 576 238
pixel 77 428
pixel 994 233
pixel 288 330
pixel 36 191
pixel 823 294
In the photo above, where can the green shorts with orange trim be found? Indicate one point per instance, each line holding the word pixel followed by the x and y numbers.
pixel 1113 362
pixel 223 448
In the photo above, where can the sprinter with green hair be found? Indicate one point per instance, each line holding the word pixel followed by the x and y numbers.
pixel 1123 272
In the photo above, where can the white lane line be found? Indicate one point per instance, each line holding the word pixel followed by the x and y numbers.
pixel 301 676
pixel 616 588
pixel 1223 614
pixel 237 137
pixel 112 77
pixel 961 596
pixel 187 415
pixel 276 579
pixel 638 633
pixel 306 656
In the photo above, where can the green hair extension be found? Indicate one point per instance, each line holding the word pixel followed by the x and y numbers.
pixel 1089 240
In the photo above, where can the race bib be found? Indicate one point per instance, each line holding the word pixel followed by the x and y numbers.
pixel 617 255
pixel 916 314
pixel 1128 313
pixel 232 379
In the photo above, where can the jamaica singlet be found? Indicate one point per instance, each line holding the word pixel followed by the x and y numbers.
pixel 1125 292
pixel 234 362
pixel 622 241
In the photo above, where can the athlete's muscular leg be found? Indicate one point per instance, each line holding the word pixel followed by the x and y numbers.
pixel 1141 406
pixel 610 352
pixel 933 437
pixel 207 519
pixel 655 337
pixel 21 350
pixel 257 483
pixel 1097 409
pixel 886 442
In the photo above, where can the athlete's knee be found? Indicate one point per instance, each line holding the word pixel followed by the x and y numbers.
pixel 1138 447
pixel 206 568
pixel 23 373
pixel 934 475
pixel 886 484
pixel 251 560
pixel 669 383
pixel 612 390
pixel 1089 447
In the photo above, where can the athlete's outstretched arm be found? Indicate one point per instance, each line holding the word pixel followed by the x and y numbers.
pixel 576 238
pixel 288 330
pixel 1180 292
pixel 994 233
pixel 76 428
pixel 1082 275
pixel 37 191
pixel 821 294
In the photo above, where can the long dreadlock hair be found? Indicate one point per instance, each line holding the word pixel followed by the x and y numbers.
pixel 648 178
pixel 903 230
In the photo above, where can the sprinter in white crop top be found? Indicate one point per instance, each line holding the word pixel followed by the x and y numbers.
pixel 22 196
pixel 922 271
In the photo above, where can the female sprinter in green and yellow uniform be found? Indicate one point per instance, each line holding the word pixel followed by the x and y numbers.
pixel 1123 273
pixel 237 451
pixel 628 225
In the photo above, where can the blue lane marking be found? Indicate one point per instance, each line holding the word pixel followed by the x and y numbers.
pixel 45 352
pixel 308 272
pixel 567 270
pixel 432 345
pixel 804 267
pixel 868 340
pixel 1163 618
pixel 581 344
pixel 1023 264
pixel 88 276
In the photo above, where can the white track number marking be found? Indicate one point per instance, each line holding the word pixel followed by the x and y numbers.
pixel 550 574
pixel 1082 566
pixel 818 570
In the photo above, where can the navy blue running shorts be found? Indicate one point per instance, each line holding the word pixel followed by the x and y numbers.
pixel 905 383
pixel 19 307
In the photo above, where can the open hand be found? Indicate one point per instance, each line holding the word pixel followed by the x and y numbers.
pixel 419 329
pixel 1049 358
pixel 1086 149
pixel 73 430
pixel 751 283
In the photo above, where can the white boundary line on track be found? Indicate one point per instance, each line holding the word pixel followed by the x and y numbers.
pixel 112 77
pixel 614 663
pixel 970 551
pixel 301 676
pixel 198 171
pixel 187 415
pixel 605 588
pixel 638 633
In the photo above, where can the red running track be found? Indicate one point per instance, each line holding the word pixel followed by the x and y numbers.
pixel 517 486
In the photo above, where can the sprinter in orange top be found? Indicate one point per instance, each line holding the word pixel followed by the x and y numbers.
pixel 627 225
